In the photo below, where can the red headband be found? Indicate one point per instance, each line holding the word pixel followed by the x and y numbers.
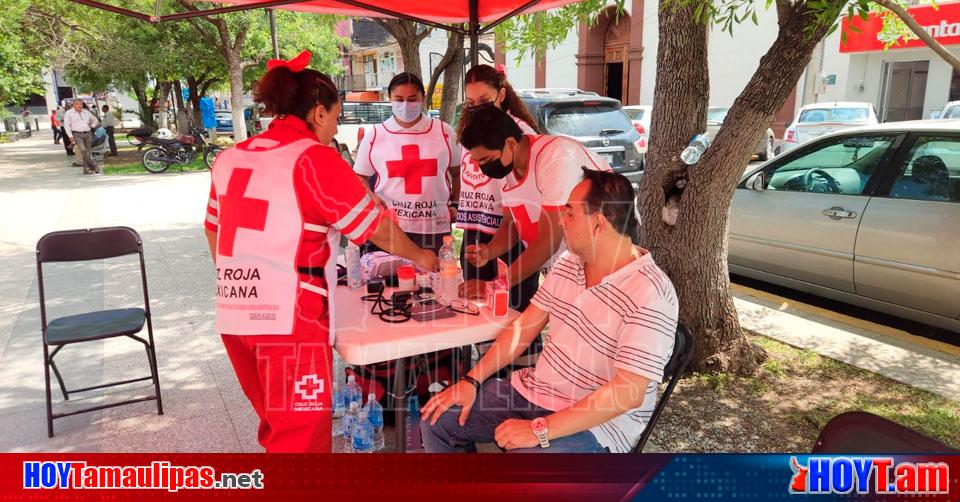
pixel 502 70
pixel 296 65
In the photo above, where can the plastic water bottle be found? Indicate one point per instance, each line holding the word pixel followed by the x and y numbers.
pixel 449 276
pixel 362 434
pixel 339 408
pixel 692 153
pixel 375 414
pixel 413 440
pixel 353 392
pixel 353 413
pixel 352 257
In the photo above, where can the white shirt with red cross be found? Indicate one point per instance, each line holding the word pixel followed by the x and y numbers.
pixel 411 167
pixel 553 170
pixel 480 206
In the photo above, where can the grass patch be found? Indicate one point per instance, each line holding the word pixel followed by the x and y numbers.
pixel 784 406
pixel 137 168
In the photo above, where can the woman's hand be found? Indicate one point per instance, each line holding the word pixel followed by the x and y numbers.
pixel 474 289
pixel 428 260
pixel 477 254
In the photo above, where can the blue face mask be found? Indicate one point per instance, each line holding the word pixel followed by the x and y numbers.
pixel 407 111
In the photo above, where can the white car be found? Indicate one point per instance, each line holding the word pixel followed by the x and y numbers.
pixel 815 120
pixel 356 118
pixel 640 116
pixel 950 110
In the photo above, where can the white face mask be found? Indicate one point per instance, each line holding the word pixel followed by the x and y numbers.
pixel 407 111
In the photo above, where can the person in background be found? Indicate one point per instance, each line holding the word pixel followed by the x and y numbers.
pixel 480 212
pixel 79 124
pixel 412 156
pixel 55 125
pixel 67 147
pixel 109 123
pixel 278 205
pixel 612 317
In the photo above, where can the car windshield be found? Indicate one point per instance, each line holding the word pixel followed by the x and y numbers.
pixel 951 113
pixel 814 115
pixel 634 114
pixel 587 120
pixel 717 115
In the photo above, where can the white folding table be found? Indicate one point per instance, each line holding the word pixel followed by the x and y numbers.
pixel 362 338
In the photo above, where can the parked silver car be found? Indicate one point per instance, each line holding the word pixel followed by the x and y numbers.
pixel 868 216
pixel 715 117
pixel 817 119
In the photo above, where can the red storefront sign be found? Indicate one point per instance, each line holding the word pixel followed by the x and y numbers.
pixel 943 23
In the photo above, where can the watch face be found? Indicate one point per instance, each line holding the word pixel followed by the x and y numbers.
pixel 539 424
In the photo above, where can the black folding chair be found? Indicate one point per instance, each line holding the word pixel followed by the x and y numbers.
pixel 683 346
pixel 86 245
pixel 859 432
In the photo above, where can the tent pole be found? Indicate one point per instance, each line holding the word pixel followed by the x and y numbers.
pixel 273 33
pixel 474 32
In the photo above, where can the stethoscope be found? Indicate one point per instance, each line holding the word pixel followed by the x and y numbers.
pixel 396 309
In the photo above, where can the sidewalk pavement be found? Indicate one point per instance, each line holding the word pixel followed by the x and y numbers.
pixel 205 410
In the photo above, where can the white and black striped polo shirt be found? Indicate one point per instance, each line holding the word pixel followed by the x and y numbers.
pixel 627 322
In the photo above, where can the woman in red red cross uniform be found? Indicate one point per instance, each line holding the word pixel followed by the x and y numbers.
pixel 278 204
pixel 414 161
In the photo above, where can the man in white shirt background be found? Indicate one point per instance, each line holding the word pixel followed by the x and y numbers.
pixel 109 123
pixel 79 124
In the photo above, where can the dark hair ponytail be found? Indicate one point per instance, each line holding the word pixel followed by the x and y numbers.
pixel 285 92
pixel 511 102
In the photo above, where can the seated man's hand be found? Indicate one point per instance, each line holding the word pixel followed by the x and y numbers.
pixel 474 289
pixel 461 393
pixel 515 433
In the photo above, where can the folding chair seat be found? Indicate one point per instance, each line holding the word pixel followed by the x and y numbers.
pixel 87 245
pixel 95 326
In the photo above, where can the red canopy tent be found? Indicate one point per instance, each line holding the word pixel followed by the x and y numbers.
pixel 443 15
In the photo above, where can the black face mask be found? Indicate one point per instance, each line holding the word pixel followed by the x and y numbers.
pixel 496 169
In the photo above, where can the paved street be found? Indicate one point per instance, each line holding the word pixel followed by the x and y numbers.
pixel 205 409
pixel 204 406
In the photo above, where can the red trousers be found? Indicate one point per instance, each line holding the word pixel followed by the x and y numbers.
pixel 288 379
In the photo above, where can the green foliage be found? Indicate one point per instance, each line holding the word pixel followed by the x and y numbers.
pixel 20 69
pixel 534 33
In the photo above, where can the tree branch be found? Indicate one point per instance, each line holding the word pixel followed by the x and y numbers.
pixel 918 30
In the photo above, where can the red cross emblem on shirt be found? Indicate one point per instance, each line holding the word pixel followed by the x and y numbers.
pixel 309 387
pixel 528 228
pixel 472 175
pixel 237 211
pixel 412 169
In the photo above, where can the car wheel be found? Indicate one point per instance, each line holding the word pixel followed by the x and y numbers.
pixel 767 152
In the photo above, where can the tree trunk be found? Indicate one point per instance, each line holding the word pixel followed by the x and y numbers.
pixel 183 121
pixel 140 91
pixel 236 98
pixel 408 37
pixel 454 47
pixel 164 92
pixel 452 75
pixel 194 90
pixel 693 252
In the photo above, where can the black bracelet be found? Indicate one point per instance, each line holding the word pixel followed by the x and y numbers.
pixel 472 381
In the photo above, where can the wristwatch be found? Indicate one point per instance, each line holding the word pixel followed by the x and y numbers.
pixel 539 426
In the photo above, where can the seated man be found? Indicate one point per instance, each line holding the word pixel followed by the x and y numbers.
pixel 612 313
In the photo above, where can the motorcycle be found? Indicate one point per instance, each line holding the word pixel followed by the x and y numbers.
pixel 182 149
